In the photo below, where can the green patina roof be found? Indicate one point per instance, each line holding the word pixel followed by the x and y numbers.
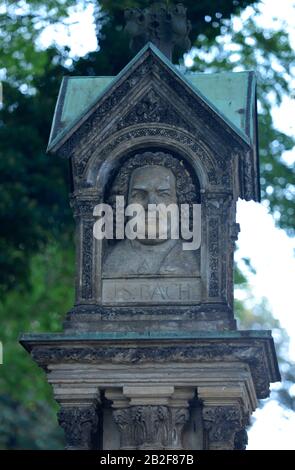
pixel 81 93
pixel 230 94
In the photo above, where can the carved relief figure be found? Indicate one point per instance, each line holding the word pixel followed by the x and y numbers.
pixel 152 178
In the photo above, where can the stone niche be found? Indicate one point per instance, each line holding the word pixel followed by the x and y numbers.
pixel 150 357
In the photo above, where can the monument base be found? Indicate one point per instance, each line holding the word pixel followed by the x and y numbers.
pixel 191 391
pixel 147 319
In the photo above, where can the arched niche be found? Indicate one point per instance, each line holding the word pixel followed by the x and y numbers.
pixel 102 166
pixel 107 159
pixel 152 160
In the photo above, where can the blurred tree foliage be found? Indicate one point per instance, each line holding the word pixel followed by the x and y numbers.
pixel 21 22
pixel 27 409
pixel 251 315
pixel 34 190
pixel 27 428
pixel 36 243
pixel 269 53
pixel 38 309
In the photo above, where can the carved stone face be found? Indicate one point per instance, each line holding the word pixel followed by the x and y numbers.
pixel 160 179
pixel 152 184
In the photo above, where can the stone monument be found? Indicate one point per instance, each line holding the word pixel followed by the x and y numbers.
pixel 150 356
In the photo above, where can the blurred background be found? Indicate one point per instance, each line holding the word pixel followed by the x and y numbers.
pixel 40 42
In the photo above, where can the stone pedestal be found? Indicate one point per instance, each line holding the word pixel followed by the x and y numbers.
pixel 185 391
pixel 150 357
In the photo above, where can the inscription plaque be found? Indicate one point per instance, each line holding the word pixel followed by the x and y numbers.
pixel 151 291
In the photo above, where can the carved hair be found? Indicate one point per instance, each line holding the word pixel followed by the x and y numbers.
pixel 185 188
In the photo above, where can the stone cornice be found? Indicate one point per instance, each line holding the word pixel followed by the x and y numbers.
pixel 256 349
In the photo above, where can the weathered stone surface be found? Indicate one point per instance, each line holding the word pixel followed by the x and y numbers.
pixel 150 417
pixel 151 178
pixel 151 291
pixel 164 25
pixel 80 425
pixel 241 440
pixel 222 423
pixel 254 350
pixel 151 427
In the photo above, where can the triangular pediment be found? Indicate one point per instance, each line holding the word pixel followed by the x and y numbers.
pixel 149 71
pixel 153 106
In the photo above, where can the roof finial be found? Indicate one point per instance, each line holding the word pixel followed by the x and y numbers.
pixel 164 25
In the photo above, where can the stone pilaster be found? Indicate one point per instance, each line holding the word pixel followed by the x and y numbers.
pixel 150 417
pixel 88 249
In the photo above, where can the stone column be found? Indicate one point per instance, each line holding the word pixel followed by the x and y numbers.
pixel 221 424
pixel 88 249
pixel 150 418
pixel 80 425
pixel 80 411
pixel 227 406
